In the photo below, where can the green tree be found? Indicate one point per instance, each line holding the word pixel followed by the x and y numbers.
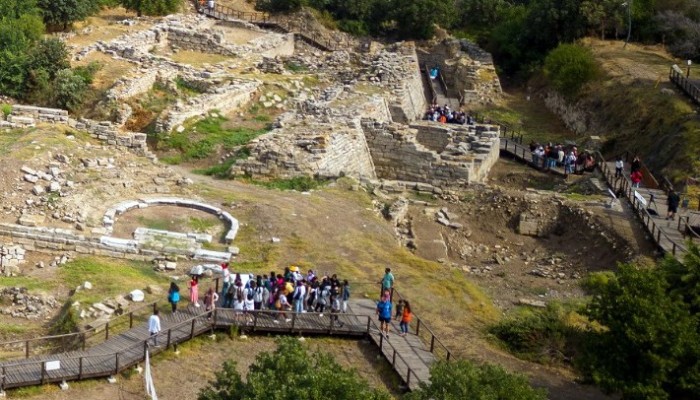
pixel 417 19
pixel 569 67
pixel 50 55
pixel 64 12
pixel 290 373
pixel 69 89
pixel 14 9
pixel 152 7
pixel 649 346
pixel 281 6
pixel 462 379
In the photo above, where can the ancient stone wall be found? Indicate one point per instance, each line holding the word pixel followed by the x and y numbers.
pixel 468 70
pixel 438 155
pixel 397 67
pixel 104 131
pixel 224 98
pixel 55 239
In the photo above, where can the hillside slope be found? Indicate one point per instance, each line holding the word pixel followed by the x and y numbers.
pixel 634 108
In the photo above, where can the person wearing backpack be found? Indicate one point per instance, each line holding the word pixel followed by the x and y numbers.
pixel 322 299
pixel 258 296
pixel 346 295
pixel 226 279
pixel 173 296
pixel 335 310
pixel 298 297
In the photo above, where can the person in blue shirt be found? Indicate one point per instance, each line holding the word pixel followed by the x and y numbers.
pixel 384 313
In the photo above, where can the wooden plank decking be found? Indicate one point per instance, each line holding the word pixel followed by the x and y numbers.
pixel 409 356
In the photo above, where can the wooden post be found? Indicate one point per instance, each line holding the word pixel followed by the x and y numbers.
pixel 393 359
pixel 417 326
pixel 83 339
pixel 192 329
pixel 26 349
pixel 168 344
pixel 106 330
pixel 448 356
pixel 369 321
pixel 116 363
pixel 432 343
pixel 80 368
pixel 294 320
pixel 145 348
pixel 408 377
pixel 3 380
pixel 43 371
pixel 381 340
pixel 155 307
pixel 131 319
pixel 255 321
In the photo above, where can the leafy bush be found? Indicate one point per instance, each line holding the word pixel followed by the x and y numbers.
pixel 650 346
pixel 69 89
pixel 540 335
pixel 465 380
pixel 569 67
pixel 50 55
pixel 6 109
pixel 88 72
pixel 63 13
pixel 152 7
pixel 283 6
pixel 357 28
pixel 311 376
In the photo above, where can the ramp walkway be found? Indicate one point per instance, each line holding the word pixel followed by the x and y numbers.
pixel 649 201
pixel 73 359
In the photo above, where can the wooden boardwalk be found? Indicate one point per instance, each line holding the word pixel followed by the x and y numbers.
pixel 410 356
pixel 670 236
pixel 515 149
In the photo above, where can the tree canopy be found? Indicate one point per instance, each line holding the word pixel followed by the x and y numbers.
pixel 649 347
pixel 290 373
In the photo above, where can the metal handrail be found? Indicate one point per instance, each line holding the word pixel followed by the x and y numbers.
pixel 648 221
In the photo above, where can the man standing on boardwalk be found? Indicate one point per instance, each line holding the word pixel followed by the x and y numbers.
pixel 154 326
pixel 673 201
pixel 388 280
pixel 384 313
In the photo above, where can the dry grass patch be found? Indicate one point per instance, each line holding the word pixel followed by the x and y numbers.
pixel 104 27
pixel 197 58
pixel 110 69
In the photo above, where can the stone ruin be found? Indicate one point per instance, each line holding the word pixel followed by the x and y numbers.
pixel 11 256
pixel 353 129
pixel 468 70
pixel 19 303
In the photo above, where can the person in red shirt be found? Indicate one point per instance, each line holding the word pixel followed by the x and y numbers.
pixel 636 178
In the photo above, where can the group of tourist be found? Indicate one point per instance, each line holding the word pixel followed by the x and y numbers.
pixel 565 156
pixel 290 291
pixel 446 115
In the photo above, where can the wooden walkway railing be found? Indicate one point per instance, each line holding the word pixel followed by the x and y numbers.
pixel 675 75
pixel 410 356
pixel 523 153
pixel 666 237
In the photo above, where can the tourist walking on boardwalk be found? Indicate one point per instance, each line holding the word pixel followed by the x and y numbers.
pixel 636 164
pixel 388 280
pixel 335 310
pixel 210 299
pixel 636 178
pixel 384 313
pixel 194 290
pixel 298 297
pixel 399 310
pixel 346 295
pixel 226 279
pixel 281 305
pixel 210 5
pixel 673 201
pixel 619 165
pixel 154 326
pixel 406 317
pixel 173 296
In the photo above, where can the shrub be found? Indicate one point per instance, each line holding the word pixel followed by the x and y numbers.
pixel 540 335
pixel 282 6
pixel 569 67
pixel 50 55
pixel 88 72
pixel 152 7
pixel 314 376
pixel 69 89
pixel 6 109
pixel 465 380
